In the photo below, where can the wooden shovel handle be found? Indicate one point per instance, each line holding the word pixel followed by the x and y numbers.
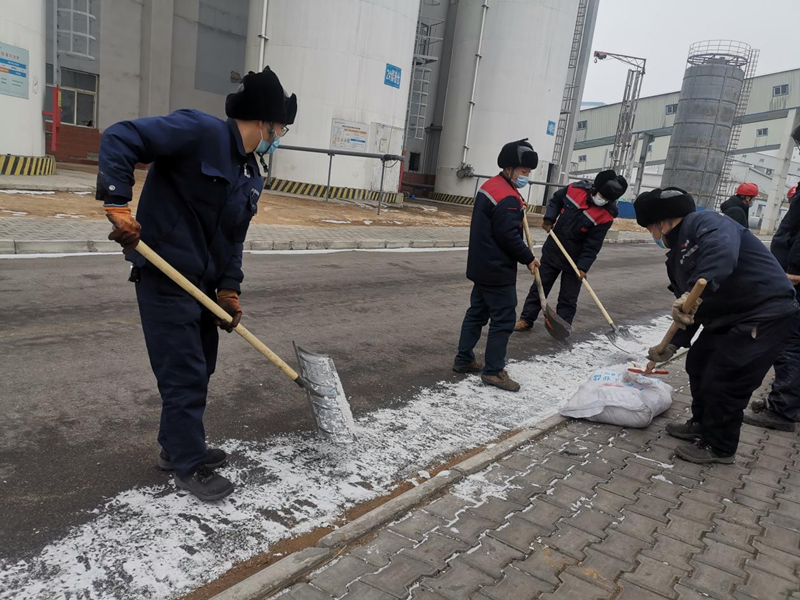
pixel 154 259
pixel 687 307
pixel 536 275
pixel 584 281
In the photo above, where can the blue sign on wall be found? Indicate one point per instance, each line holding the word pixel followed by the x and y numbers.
pixel 551 128
pixel 13 71
pixel 392 77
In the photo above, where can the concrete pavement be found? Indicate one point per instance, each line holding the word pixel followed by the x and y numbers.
pixel 586 511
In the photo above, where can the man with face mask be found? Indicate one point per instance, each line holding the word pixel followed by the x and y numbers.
pixel 746 313
pixel 201 192
pixel 496 246
pixel 580 215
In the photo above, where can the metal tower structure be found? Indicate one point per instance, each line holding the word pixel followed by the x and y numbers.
pixel 748 60
pixel 573 91
pixel 622 153
pixel 426 52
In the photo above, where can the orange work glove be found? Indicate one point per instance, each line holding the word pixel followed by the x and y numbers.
pixel 127 230
pixel 229 301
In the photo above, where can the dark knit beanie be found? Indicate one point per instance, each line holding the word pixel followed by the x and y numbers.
pixel 261 97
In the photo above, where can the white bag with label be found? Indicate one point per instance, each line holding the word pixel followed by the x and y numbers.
pixel 616 396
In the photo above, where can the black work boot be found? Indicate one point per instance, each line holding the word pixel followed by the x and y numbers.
pixel 474 367
pixel 761 414
pixel 502 381
pixel 690 430
pixel 205 484
pixel 215 458
pixel 702 453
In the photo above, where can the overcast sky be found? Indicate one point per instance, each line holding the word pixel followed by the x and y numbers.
pixel 661 31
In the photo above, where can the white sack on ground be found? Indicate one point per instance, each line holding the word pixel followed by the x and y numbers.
pixel 616 396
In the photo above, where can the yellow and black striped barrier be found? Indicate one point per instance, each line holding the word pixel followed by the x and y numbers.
pixel 453 199
pixel 11 164
pixel 320 191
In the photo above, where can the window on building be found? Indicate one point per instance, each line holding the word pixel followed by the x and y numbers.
pixel 762 132
pixel 671 109
pixel 583 125
pixel 770 172
pixel 78 97
pixel 780 90
pixel 413 161
pixel 581 158
pixel 649 148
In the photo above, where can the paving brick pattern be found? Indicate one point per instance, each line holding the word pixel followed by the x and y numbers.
pixel 594 511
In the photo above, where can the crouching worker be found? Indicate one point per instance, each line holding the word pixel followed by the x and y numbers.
pixel 195 209
pixel 496 245
pixel 580 215
pixel 746 314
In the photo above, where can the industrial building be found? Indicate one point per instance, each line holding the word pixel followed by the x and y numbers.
pixel 765 125
pixel 424 77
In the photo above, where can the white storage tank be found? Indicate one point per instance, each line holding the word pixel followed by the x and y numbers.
pixel 349 62
pixel 22 78
pixel 525 47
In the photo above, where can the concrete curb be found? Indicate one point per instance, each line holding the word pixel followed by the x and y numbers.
pixel 73 246
pixel 288 570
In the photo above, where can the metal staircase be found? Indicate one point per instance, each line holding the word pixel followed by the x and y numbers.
pixel 426 52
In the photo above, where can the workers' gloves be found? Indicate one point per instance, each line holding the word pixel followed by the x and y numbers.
pixel 127 230
pixel 682 319
pixel 659 357
pixel 229 301
pixel 547 225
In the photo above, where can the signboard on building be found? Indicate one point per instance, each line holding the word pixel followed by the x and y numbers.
pixel 349 135
pixel 13 71
pixel 551 128
pixel 392 76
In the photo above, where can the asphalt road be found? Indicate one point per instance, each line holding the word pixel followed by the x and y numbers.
pixel 79 403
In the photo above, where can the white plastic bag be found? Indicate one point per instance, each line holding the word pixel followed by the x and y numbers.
pixel 616 396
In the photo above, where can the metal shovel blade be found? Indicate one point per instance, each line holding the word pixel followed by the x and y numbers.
pixel 326 395
pixel 555 325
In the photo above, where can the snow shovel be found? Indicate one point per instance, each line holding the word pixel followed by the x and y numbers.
pixel 688 306
pixel 555 325
pixel 318 375
pixel 617 333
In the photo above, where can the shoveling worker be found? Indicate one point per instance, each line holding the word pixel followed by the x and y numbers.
pixel 196 205
pixel 580 215
pixel 746 313
pixel 781 409
pixel 496 245
pixel 737 207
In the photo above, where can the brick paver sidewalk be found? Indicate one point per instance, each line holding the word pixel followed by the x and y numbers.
pixel 593 512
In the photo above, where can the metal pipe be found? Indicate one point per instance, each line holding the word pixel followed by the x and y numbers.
pixel 380 196
pixel 384 157
pixel 330 168
pixel 485 7
pixel 270 176
pixel 262 45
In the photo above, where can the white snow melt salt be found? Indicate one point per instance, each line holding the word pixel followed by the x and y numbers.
pixel 153 542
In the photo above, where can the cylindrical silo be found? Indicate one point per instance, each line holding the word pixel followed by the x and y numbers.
pixel 22 78
pixel 522 67
pixel 349 62
pixel 712 86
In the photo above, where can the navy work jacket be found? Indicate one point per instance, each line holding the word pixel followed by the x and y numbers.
pixel 786 243
pixel 200 194
pixel 496 241
pixel 581 226
pixel 745 282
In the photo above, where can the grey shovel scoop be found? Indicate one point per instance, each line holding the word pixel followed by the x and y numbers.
pixel 319 377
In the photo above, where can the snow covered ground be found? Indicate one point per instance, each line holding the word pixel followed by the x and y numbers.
pixel 155 542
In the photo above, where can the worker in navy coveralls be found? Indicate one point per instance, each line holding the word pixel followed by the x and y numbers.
pixel 580 214
pixel 781 409
pixel 746 312
pixel 496 246
pixel 201 192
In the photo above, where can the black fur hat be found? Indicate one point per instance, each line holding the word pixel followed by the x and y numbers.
pixel 261 98
pixel 658 205
pixel 610 185
pixel 518 154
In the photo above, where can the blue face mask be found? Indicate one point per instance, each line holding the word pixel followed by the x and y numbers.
pixel 265 147
pixel 521 181
pixel 659 242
